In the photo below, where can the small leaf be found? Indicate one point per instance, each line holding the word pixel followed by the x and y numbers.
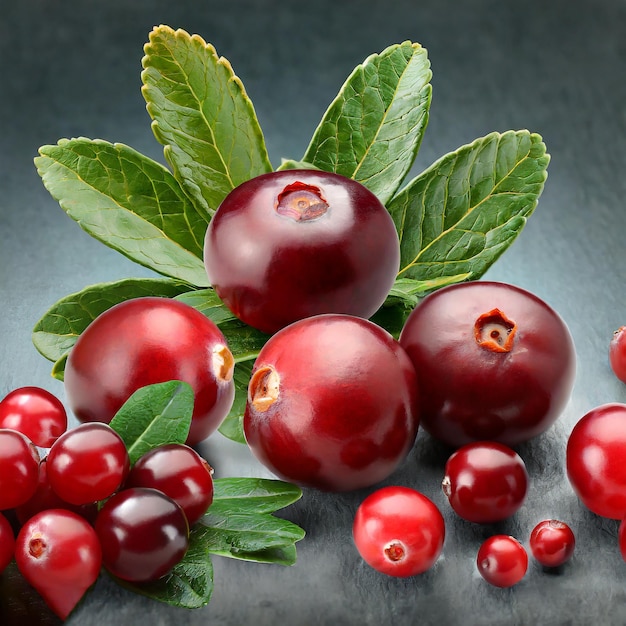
pixel 462 213
pixel 128 202
pixel 252 495
pixel 373 129
pixel 202 115
pixel 290 164
pixel 59 328
pixel 232 426
pixel 207 302
pixel 153 416
pixel 190 584
pixel 245 536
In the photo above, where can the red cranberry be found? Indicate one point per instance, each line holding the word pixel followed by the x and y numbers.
pixel 291 244
pixel 145 341
pixel 332 403
pixel 498 363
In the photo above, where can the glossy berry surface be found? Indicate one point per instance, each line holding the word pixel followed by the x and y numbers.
pixel 19 468
pixel 36 413
pixel 307 242
pixel 87 463
pixel 145 341
pixel 398 531
pixel 7 543
pixel 46 498
pixel 552 543
pixel 332 403
pixel 497 361
pixel 180 473
pixel 143 534
pixel 485 482
pixel 502 561
pixel 617 353
pixel 595 453
pixel 59 554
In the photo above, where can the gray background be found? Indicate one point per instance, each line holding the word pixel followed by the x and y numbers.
pixel 70 68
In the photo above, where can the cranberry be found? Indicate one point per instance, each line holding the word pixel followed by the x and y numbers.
pixel 46 498
pixel 87 464
pixel 145 341
pixel 7 543
pixel 332 403
pixel 291 244
pixel 58 553
pixel 552 543
pixel 617 353
pixel 143 534
pixel 19 468
pixel 34 412
pixel 398 531
pixel 180 473
pixel 502 561
pixel 595 453
pixel 497 361
pixel 485 482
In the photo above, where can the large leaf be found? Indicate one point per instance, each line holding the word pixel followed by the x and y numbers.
pixel 128 202
pixel 373 129
pixel 202 115
pixel 59 328
pixel 462 213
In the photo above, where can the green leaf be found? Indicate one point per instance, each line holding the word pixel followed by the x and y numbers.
pixel 252 495
pixel 232 426
pixel 190 583
pixel 290 164
pixel 249 537
pixel 202 115
pixel 239 523
pixel 410 291
pixel 373 129
pixel 207 302
pixel 462 213
pixel 244 341
pixel 59 328
pixel 128 202
pixel 153 416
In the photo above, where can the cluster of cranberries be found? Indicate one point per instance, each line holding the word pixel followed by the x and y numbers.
pixel 81 506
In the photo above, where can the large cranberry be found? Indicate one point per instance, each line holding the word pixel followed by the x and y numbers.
pixel 495 363
pixel 146 341
pixel 332 403
pixel 291 244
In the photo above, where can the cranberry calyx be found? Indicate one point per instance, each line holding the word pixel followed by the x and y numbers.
pixel 495 331
pixel 301 202
pixel 264 388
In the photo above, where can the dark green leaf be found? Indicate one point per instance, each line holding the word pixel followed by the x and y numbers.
pixel 252 495
pixel 244 341
pixel 59 328
pixel 461 214
pixel 202 115
pixel 153 416
pixel 246 536
pixel 190 584
pixel 128 202
pixel 373 129
pixel 232 426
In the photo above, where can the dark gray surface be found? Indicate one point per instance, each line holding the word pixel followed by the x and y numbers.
pixel 70 68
